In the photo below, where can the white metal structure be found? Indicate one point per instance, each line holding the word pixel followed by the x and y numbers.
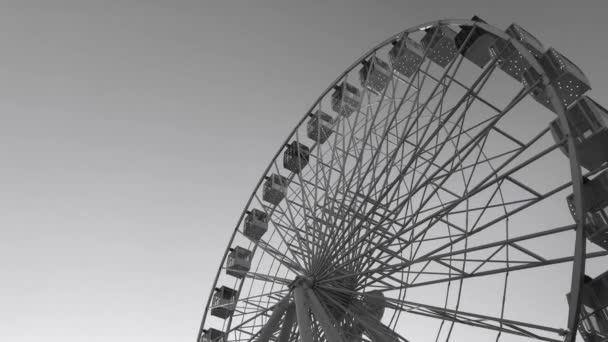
pixel 423 198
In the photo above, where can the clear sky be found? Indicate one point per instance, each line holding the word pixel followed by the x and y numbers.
pixel 133 132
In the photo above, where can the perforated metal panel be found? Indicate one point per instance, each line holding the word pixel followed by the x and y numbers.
pixel 570 82
pixel 405 56
pixel 375 75
pixel 238 262
pixel 511 60
pixel 589 125
pixel 346 99
pixel 223 302
pixel 595 199
pixel 296 157
pixel 256 224
pixel 319 127
pixel 275 189
pixel 474 43
pixel 440 44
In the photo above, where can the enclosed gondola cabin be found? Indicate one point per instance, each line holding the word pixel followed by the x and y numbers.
pixel 275 189
pixel 223 302
pixel 510 59
pixel 346 99
pixel 375 75
pixel 239 262
pixel 595 207
pixel 212 335
pixel 320 126
pixel 568 79
pixel 256 224
pixel 588 122
pixel 596 229
pixel 474 43
pixel 296 157
pixel 406 56
pixel 439 41
pixel 593 314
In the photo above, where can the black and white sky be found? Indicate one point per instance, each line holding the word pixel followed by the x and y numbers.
pixel 132 133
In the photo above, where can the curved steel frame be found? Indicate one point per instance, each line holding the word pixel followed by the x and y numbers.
pixel 575 169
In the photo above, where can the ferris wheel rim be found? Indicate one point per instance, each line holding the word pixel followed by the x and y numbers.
pixel 576 174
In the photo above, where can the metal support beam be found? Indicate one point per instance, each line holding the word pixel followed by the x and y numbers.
pixel 327 323
pixel 288 322
pixel 303 315
pixel 272 324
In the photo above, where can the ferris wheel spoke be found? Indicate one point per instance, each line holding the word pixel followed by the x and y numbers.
pixel 510 241
pixel 486 322
pixel 304 207
pixel 489 322
pixel 263 277
pixel 304 243
pixel 458 136
pixel 255 300
pixel 440 147
pixel 349 198
pixel 342 179
pixel 278 220
pixel 367 250
pixel 282 236
pixel 467 149
pixel 308 225
pixel 467 88
pixel 331 191
pixel 357 189
pixel 376 330
pixel 529 265
pixel 459 169
pixel 304 195
pixel 522 265
pixel 419 110
pixel 272 324
pixel 433 148
pixel 479 80
pixel 375 193
pixel 428 256
pixel 279 256
pixel 340 152
pixel 427 174
pixel 382 139
pixel 496 181
pixel 263 311
pixel 375 154
pixel 469 318
pixel 294 245
pixel 435 255
pixel 410 204
pixel 397 192
pixel 316 185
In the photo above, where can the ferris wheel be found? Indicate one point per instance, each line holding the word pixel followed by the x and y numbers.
pixel 450 185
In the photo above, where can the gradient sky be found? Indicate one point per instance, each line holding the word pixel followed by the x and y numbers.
pixel 132 133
